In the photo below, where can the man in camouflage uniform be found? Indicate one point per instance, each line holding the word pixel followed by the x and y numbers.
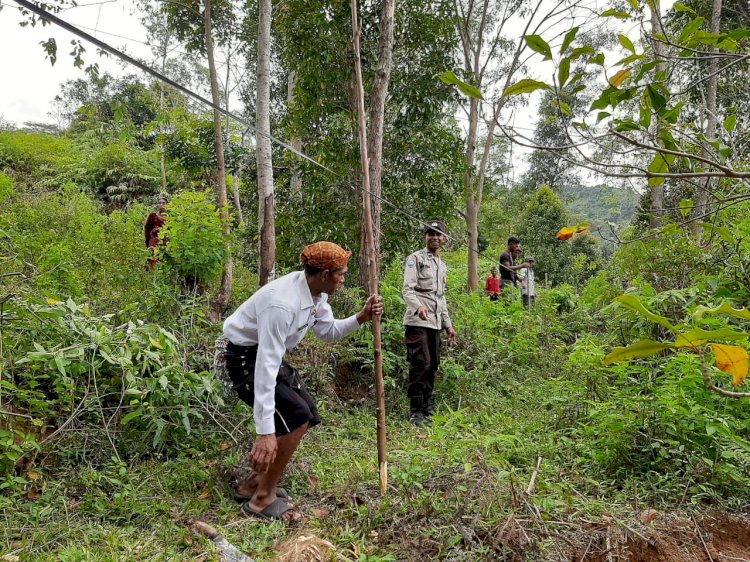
pixel 426 316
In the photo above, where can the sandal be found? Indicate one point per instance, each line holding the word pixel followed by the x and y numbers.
pixel 280 493
pixel 272 512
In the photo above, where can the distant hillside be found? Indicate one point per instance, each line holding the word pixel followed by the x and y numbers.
pixel 600 205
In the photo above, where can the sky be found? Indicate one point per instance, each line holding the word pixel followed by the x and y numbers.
pixel 30 83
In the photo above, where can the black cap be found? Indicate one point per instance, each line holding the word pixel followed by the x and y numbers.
pixel 435 226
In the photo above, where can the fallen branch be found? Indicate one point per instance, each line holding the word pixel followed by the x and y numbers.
pixel 227 551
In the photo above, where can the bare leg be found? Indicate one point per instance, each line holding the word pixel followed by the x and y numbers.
pixel 265 491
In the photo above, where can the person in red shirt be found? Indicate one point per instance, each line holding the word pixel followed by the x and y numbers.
pixel 154 224
pixel 492 285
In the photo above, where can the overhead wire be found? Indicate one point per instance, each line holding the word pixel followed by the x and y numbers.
pixel 159 76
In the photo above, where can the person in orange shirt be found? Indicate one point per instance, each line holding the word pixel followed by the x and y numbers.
pixel 492 285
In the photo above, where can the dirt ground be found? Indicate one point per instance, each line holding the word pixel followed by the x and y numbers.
pixel 714 538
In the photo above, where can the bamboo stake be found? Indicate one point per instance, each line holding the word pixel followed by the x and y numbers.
pixel 371 253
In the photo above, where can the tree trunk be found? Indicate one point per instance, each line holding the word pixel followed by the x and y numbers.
pixel 295 183
pixel 701 204
pixel 656 210
pixel 220 300
pixel 162 157
pixel 263 147
pixel 377 126
pixel 472 209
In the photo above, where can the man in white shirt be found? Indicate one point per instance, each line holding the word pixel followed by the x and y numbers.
pixel 270 323
pixel 528 283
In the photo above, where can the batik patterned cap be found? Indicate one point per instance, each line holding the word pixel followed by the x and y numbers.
pixel 325 255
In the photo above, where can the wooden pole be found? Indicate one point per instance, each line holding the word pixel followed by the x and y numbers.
pixel 371 252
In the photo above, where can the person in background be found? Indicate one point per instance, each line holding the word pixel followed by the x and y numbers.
pixel 528 283
pixel 508 267
pixel 425 317
pixel 492 286
pixel 154 224
pixel 259 333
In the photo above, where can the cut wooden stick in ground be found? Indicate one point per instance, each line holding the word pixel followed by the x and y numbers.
pixel 532 482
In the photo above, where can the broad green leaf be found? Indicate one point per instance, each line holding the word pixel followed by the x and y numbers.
pixel 525 86
pixel 565 108
pixel 630 59
pixel 639 350
pixel 698 337
pixel 612 13
pixel 723 308
pixel 568 39
pixel 563 72
pixel 580 51
pixel 598 59
pixel 659 165
pixel 690 28
pixel 602 115
pixel 633 303
pixel 60 364
pixel 731 359
pixel 467 89
pixel 539 45
pixel 633 4
pixel 627 43
pixel 627 125
pixel 706 38
pixel 682 8
pixel 686 206
pixel 656 99
pixel 739 34
pixel 730 123
pixel 645 116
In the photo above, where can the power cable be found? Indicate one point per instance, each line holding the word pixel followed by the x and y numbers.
pixel 159 76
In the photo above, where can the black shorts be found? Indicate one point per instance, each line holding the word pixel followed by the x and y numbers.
pixel 294 406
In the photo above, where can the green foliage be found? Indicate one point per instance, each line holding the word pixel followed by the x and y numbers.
pixel 119 173
pixel 195 241
pixel 7 187
pixel 542 218
pixel 35 156
pixel 109 372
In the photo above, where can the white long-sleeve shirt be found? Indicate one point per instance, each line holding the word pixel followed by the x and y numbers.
pixel 528 282
pixel 276 318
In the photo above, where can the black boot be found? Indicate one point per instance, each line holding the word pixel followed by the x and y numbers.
pixel 416 412
pixel 429 406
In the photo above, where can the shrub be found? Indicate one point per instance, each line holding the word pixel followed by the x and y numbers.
pixel 121 379
pixel 120 173
pixel 195 239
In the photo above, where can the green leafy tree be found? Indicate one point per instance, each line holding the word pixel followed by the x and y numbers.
pixel 543 217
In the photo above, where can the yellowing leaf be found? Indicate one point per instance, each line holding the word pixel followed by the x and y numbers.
pixel 731 359
pixel 52 301
pixel 620 77
pixel 155 343
pixel 33 475
pixel 566 233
